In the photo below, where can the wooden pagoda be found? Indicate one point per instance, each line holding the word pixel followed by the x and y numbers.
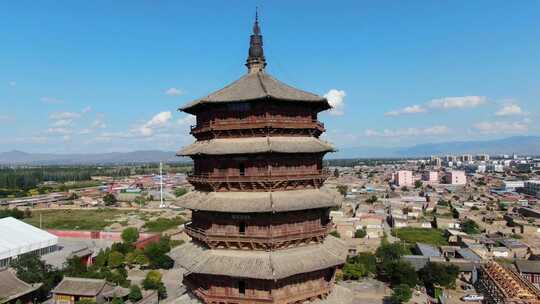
pixel 260 220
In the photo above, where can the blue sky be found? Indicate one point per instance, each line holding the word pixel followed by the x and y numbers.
pixel 97 76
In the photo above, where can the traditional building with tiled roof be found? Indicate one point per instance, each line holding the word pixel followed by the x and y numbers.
pixel 12 289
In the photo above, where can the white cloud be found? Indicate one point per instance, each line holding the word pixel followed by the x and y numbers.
pixel 500 127
pixel 414 109
pixel 187 120
pixel 173 92
pixel 429 131
pixel 5 118
pixel 336 99
pixel 159 120
pixel 60 131
pixel 509 110
pixel 64 115
pixel 51 100
pixel 62 122
pixel 457 102
pixel 86 109
pixel 12 83
pixel 98 123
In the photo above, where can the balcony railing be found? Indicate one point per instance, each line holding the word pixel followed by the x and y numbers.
pixel 286 297
pixel 271 177
pixel 257 123
pixel 270 238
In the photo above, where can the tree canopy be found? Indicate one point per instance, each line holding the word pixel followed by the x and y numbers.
pixel 130 235
pixel 470 227
pixel 439 274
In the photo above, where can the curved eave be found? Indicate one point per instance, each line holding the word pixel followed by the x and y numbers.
pixel 258 202
pixel 253 145
pixel 273 265
pixel 196 106
pixel 256 86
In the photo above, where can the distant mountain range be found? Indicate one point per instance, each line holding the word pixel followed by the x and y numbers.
pixel 19 158
pixel 524 145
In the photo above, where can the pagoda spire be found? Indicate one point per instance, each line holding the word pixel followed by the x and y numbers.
pixel 256 61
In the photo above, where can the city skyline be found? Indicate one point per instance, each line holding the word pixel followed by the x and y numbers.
pixel 100 77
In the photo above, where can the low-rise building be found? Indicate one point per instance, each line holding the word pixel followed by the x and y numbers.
pixel 18 238
pixel 430 177
pixel 532 187
pixel 71 290
pixel 455 178
pixel 403 178
pixel 529 269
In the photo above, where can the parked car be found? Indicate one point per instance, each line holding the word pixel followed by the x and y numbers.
pixel 473 298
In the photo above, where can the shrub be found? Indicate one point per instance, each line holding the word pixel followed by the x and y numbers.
pixel 130 235
pixel 180 191
pixel 401 294
pixel 135 293
pixel 335 234
pixel 360 234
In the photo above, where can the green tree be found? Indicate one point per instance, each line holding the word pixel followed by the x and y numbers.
pixel 401 294
pixel 156 254
pixel 360 233
pixel 137 257
pixel 418 184
pixel 109 199
pixel 116 259
pixel 470 227
pixel 401 272
pixel 135 293
pixel 31 269
pixel 74 267
pixel 334 233
pixel 353 271
pixel 153 281
pixel 130 235
pixel 342 189
pixel 389 252
pixel 367 259
pixel 372 199
pixel 139 201
pixel 180 191
pixel 439 274
pixel 117 301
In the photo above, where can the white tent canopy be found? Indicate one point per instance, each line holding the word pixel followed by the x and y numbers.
pixel 17 237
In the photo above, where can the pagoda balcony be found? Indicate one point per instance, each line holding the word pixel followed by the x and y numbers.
pixel 256 123
pixel 272 240
pixel 264 182
pixel 317 291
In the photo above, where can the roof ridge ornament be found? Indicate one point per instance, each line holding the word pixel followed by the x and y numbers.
pixel 256 61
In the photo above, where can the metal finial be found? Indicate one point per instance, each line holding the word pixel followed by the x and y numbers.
pixel 256 29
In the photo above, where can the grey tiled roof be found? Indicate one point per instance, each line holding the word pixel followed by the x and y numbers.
pixel 11 287
pixel 245 202
pixel 528 266
pixel 250 145
pixel 264 265
pixel 256 86
pixel 80 286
